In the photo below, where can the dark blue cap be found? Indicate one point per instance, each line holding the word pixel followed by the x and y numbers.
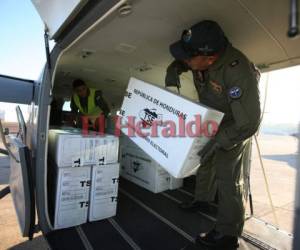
pixel 204 38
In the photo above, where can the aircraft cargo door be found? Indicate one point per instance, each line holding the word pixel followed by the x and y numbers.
pixel 21 182
pixel 21 185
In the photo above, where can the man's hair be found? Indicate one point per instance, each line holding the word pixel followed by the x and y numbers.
pixel 77 83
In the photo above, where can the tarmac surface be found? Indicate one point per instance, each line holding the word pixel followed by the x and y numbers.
pixel 279 155
pixel 279 158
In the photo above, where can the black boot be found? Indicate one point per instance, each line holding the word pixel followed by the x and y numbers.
pixel 217 240
pixel 193 206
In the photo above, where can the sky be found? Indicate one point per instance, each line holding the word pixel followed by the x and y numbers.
pixel 283 95
pixel 282 114
pixel 22 54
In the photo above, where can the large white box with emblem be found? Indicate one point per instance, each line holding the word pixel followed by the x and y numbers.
pixel 139 168
pixel 71 147
pixel 72 196
pixel 104 191
pixel 173 146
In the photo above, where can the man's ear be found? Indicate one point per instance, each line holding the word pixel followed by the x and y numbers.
pixel 212 59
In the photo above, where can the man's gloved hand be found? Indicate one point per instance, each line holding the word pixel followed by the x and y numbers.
pixel 208 151
pixel 174 70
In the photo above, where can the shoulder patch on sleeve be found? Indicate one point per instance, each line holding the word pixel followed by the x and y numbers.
pixel 234 63
pixel 235 92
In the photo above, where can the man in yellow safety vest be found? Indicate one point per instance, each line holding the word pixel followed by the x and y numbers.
pixel 88 101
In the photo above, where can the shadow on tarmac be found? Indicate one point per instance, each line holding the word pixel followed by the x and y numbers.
pixel 37 243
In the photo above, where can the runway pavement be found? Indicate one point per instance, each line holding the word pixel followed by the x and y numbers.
pixel 279 157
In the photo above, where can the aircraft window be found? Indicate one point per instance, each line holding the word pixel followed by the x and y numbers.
pixel 67 106
pixel 8 115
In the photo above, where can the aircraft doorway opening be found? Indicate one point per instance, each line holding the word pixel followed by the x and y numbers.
pixel 278 142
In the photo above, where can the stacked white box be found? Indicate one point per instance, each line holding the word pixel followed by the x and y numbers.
pixel 72 196
pixel 73 148
pixel 87 160
pixel 175 183
pixel 142 170
pixel 106 149
pixel 104 191
pixel 148 103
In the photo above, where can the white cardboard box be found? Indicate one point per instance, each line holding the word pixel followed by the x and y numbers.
pixel 104 191
pixel 175 183
pixel 72 196
pixel 72 148
pixel 148 103
pixel 106 149
pixel 138 167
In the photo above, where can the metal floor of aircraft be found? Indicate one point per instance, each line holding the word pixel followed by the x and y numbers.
pixel 144 221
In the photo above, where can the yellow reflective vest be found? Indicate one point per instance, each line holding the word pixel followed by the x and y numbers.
pixel 92 109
